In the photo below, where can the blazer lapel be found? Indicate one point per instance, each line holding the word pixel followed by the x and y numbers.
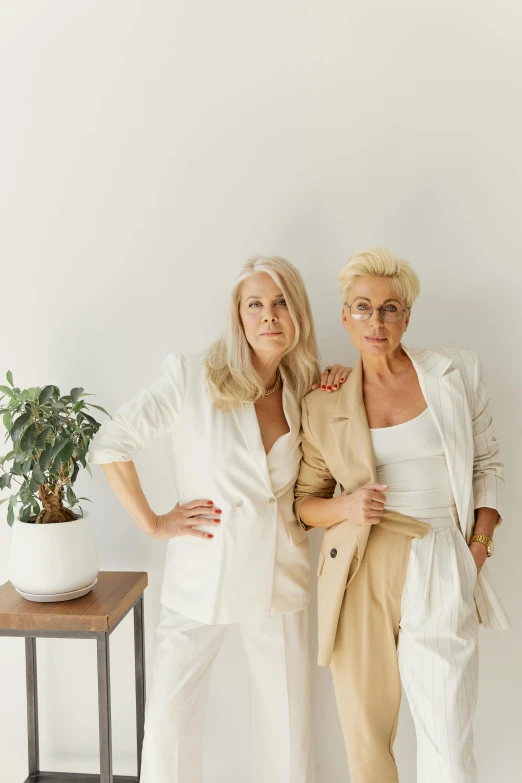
pixel 445 394
pixel 246 420
pixel 354 443
pixel 351 433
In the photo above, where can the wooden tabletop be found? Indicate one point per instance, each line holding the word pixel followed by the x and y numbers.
pixel 100 610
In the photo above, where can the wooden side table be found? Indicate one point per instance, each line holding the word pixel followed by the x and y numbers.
pixel 95 616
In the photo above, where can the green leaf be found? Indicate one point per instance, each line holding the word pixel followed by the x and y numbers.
pixel 19 425
pixel 90 419
pixel 79 405
pixel 74 473
pixel 88 467
pixel 4 500
pixel 10 516
pixel 99 407
pixel 36 507
pixel 38 475
pixel 8 422
pixel 6 390
pixel 58 446
pixel 46 457
pixel 26 465
pixel 33 486
pixel 46 394
pixel 76 393
pixel 42 437
pixel 25 514
pixel 29 437
pixel 3 480
pixel 13 499
pixel 66 452
pixel 71 497
pixel 9 376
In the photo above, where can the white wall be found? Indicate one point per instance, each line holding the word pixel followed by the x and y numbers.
pixel 147 149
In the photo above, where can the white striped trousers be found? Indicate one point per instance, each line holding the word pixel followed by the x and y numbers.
pixel 438 655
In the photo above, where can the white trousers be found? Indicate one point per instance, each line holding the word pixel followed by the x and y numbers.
pixel 277 652
pixel 438 655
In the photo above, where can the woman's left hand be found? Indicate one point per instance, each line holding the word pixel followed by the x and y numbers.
pixel 332 377
pixel 479 553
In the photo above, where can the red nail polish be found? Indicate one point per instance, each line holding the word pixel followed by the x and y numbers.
pixel 329 388
pixel 210 535
pixel 210 502
pixel 335 386
pixel 217 520
pixel 342 379
pixel 218 511
pixel 323 387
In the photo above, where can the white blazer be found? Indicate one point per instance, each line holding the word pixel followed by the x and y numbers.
pixel 451 381
pixel 257 564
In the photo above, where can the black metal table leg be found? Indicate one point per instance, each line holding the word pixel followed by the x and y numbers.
pixel 139 663
pixel 32 705
pixel 104 708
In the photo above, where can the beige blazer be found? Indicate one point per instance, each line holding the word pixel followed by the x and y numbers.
pixel 337 449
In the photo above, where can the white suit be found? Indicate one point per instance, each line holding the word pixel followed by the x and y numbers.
pixel 254 572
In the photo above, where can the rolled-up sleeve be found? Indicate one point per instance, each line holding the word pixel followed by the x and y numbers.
pixel 151 413
pixel 488 469
pixel 314 479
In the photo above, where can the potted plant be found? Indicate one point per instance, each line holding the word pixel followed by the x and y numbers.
pixel 53 552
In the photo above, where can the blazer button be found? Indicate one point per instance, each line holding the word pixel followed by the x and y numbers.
pixel 333 553
pixel 238 501
pixel 272 501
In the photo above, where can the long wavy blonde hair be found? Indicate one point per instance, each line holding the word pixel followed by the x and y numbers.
pixel 231 377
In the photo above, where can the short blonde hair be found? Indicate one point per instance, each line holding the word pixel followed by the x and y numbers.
pixel 231 378
pixel 378 262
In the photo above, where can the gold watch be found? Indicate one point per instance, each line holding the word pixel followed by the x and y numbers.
pixel 488 542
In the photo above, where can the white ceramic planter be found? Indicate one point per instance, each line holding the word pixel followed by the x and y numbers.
pixel 53 559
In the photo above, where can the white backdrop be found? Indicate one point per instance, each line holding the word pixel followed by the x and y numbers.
pixel 147 149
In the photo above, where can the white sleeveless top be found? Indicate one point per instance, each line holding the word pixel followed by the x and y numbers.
pixel 410 458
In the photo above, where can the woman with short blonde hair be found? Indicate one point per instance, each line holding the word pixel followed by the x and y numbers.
pixel 236 554
pixel 402 584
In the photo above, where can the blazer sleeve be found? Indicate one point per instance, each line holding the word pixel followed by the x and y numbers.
pixel 488 469
pixel 151 413
pixel 314 479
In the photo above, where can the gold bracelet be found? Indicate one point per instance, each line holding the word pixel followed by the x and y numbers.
pixel 482 539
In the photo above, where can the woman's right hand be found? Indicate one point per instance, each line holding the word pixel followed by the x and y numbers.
pixel 365 505
pixel 181 520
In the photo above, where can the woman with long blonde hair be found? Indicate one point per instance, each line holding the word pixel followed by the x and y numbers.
pixel 236 553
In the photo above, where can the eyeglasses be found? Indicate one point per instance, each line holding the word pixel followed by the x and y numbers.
pixel 390 313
